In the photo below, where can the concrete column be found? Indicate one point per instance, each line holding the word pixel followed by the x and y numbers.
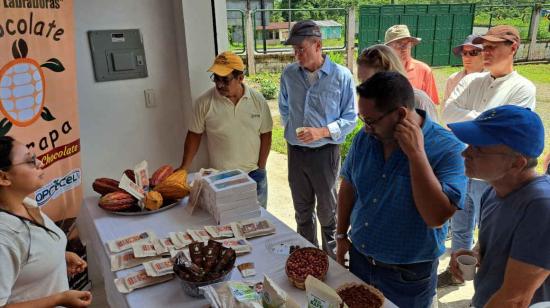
pixel 535 20
pixel 350 46
pixel 249 33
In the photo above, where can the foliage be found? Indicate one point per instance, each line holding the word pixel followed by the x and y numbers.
pixel 337 57
pixel 267 84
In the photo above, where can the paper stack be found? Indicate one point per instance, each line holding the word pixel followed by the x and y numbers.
pixel 230 196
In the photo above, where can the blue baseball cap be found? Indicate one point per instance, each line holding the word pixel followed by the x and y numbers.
pixel 516 127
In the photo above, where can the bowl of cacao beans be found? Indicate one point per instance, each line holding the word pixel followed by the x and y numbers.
pixel 208 264
pixel 360 295
pixel 306 261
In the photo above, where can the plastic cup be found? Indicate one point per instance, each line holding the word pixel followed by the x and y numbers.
pixel 467 265
pixel 299 130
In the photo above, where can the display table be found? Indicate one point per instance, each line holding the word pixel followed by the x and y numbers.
pixel 96 227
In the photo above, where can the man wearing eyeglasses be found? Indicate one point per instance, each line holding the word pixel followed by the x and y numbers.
pixel 237 122
pixel 474 94
pixel 513 251
pixel 402 180
pixel 317 107
pixel 420 74
pixel 472 62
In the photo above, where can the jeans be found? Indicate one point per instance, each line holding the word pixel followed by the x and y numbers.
pixel 464 221
pixel 260 176
pixel 412 285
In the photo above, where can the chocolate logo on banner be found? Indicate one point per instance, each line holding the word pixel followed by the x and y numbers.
pixel 60 153
pixel 32 4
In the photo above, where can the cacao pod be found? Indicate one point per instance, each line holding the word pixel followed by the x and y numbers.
pixel 175 186
pixel 161 174
pixel 153 200
pixel 117 201
pixel 104 186
pixel 130 174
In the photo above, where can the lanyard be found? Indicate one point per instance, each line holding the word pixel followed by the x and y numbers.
pixel 25 219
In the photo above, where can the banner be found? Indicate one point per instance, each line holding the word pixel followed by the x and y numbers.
pixel 38 98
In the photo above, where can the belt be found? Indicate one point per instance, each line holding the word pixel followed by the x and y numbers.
pixel 308 149
pixel 388 266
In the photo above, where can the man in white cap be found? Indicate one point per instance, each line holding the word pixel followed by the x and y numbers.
pixel 472 61
pixel 420 75
pixel 237 121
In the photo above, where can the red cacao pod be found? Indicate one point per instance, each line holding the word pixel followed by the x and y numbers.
pixel 104 186
pixel 161 174
pixel 130 174
pixel 117 201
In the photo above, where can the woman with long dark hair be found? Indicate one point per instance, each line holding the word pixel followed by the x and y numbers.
pixel 33 261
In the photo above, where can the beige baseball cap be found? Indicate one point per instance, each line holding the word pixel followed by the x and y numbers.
pixel 399 32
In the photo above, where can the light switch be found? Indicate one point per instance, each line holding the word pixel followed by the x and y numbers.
pixel 150 101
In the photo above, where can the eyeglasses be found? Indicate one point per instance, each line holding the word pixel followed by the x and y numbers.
pixel 471 53
pixel 477 151
pixel 217 79
pixel 32 161
pixel 301 50
pixel 370 123
pixel 400 45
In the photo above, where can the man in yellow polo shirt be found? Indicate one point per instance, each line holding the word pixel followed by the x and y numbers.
pixel 237 122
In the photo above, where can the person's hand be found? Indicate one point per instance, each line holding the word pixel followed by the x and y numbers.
pixel 409 136
pixel 76 299
pixel 453 265
pixel 311 134
pixel 75 264
pixel 342 247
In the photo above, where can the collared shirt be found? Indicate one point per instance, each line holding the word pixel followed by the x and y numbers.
pixel 451 83
pixel 233 131
pixel 33 258
pixel 421 77
pixel 518 227
pixel 329 102
pixel 479 92
pixel 385 223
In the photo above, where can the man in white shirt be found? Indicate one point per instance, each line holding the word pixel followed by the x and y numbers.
pixel 474 94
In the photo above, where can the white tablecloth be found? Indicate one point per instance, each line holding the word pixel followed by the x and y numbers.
pixel 97 227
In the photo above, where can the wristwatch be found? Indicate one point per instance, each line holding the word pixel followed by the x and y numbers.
pixel 341 236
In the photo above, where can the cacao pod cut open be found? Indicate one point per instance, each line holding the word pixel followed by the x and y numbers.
pixel 130 174
pixel 153 200
pixel 117 201
pixel 161 174
pixel 104 186
pixel 175 186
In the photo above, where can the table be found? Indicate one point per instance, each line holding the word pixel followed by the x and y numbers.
pixel 97 226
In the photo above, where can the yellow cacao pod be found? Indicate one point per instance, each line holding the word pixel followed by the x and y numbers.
pixel 153 200
pixel 175 186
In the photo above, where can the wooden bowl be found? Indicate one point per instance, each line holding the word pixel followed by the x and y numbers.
pixel 306 261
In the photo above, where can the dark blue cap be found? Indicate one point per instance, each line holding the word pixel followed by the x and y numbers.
pixel 302 30
pixel 516 127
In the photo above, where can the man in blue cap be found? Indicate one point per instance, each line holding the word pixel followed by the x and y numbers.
pixel 513 250
pixel 317 107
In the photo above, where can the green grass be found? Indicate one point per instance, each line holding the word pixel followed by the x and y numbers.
pixel 539 73
pixel 278 143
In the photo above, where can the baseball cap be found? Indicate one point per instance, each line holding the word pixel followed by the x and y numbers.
pixel 225 63
pixel 498 34
pixel 302 30
pixel 467 42
pixel 516 127
pixel 398 32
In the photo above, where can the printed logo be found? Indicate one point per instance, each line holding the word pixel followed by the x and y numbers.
pixel 57 187
pixel 23 88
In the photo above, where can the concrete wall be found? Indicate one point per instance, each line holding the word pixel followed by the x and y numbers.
pixel 117 131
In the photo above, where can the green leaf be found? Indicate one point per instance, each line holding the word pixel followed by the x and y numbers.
pixel 5 126
pixel 54 64
pixel 47 115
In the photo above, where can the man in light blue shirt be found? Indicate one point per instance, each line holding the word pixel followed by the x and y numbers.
pixel 317 107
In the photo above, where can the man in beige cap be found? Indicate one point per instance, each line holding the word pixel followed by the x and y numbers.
pixel 478 92
pixel 237 121
pixel 420 75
